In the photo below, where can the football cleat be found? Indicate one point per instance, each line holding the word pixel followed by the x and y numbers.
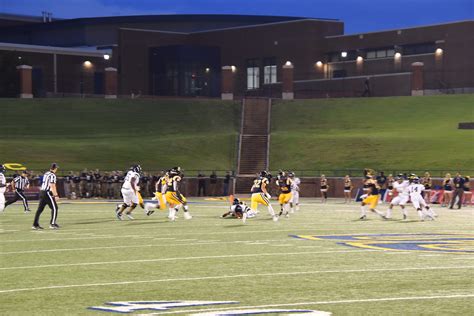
pixel 129 216
pixel 54 226
pixel 275 218
pixel 37 227
pixel 363 217
pixel 187 215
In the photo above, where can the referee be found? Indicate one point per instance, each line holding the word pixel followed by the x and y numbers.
pixel 48 196
pixel 18 185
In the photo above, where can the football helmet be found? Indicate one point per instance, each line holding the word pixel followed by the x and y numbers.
pixel 137 169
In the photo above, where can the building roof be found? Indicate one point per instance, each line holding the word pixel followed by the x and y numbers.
pixel 209 20
pixel 77 51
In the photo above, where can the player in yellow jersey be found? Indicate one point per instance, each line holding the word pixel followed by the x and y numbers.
pixel 371 199
pixel 160 191
pixel 260 194
pixel 173 196
pixel 284 184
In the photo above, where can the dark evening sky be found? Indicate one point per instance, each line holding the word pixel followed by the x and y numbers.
pixel 359 16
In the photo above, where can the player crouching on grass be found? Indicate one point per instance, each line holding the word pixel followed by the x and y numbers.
pixel 129 192
pixel 284 184
pixel 371 199
pixel 239 210
pixel 260 194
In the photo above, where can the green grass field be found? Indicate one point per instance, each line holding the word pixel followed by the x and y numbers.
pixel 94 259
pixel 112 134
pixel 396 133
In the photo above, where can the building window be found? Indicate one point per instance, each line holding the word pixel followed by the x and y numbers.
pixel 370 54
pixel 417 49
pixel 380 53
pixel 253 74
pixel 269 71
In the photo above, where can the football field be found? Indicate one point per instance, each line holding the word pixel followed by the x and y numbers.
pixel 322 258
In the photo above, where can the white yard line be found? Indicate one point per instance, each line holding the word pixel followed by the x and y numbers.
pixel 364 300
pixel 86 238
pixel 237 242
pixel 182 258
pixel 221 277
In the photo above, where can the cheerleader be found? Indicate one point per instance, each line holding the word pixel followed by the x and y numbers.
pixel 347 189
pixel 324 189
pixel 428 183
pixel 447 190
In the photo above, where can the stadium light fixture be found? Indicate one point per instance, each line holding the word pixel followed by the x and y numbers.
pixel 439 51
pixel 87 64
pixel 397 55
pixel 319 63
pixel 288 63
pixel 208 70
pixel 360 59
pixel 234 69
pixel 106 56
pixel 343 54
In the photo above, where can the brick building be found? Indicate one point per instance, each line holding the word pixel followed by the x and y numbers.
pixel 183 55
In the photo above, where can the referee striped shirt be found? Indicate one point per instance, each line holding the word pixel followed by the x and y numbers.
pixel 21 182
pixel 48 178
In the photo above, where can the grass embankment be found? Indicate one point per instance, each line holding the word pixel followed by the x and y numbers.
pixel 397 133
pixel 112 134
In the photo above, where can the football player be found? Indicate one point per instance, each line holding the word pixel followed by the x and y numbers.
pixel 295 192
pixel 401 187
pixel 415 190
pixel 284 184
pixel 160 192
pixel 173 196
pixel 239 210
pixel 260 194
pixel 371 199
pixel 129 192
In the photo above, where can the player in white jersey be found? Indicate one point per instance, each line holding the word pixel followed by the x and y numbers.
pixel 295 192
pixel 3 188
pixel 401 186
pixel 129 192
pixel 239 210
pixel 415 190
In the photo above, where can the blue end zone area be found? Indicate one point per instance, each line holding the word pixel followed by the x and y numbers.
pixel 448 243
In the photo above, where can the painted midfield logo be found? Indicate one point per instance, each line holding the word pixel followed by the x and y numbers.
pixel 450 243
pixel 130 307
